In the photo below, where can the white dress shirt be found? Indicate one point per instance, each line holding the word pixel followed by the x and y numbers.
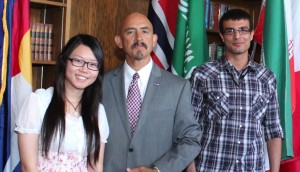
pixel 144 74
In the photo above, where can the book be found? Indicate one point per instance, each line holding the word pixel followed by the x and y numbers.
pixel 37 41
pixel 50 41
pixel 216 16
pixel 32 39
pixel 41 41
pixel 46 40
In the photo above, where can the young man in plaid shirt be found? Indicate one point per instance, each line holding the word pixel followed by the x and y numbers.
pixel 235 102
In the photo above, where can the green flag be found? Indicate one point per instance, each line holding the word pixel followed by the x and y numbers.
pixel 190 47
pixel 277 59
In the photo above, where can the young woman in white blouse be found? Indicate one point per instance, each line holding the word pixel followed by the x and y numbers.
pixel 64 127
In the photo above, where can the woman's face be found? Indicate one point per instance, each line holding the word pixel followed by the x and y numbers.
pixel 81 77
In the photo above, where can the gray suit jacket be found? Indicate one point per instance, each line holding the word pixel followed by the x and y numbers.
pixel 167 134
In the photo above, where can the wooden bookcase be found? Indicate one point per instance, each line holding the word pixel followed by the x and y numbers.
pixel 57 13
pixel 252 7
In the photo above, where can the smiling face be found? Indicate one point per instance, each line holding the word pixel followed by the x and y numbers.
pixel 80 77
pixel 237 44
pixel 136 38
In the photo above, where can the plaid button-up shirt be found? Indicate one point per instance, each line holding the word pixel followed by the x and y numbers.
pixel 236 111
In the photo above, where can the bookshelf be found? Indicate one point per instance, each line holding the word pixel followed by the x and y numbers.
pixel 57 13
pixel 212 31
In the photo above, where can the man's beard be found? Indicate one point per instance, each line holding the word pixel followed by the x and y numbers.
pixel 139 55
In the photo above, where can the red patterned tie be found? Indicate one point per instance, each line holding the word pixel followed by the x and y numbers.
pixel 134 102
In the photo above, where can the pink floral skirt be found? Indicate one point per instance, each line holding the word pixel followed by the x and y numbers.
pixel 62 162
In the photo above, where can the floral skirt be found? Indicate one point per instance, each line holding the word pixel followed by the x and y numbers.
pixel 62 162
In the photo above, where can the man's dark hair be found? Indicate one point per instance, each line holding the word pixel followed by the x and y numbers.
pixel 235 14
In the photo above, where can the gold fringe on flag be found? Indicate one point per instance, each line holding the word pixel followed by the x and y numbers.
pixel 5 53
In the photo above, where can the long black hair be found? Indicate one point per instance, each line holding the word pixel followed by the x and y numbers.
pixel 54 119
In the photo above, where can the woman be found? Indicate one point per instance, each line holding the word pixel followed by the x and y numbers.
pixel 64 128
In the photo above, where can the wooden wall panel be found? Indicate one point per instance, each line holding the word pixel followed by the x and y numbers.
pixel 102 19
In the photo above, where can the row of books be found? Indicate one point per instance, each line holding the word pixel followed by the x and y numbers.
pixel 213 13
pixel 215 51
pixel 41 41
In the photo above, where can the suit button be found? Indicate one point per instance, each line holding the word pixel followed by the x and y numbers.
pixel 130 149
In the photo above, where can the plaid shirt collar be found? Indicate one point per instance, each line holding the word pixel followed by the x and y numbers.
pixel 225 64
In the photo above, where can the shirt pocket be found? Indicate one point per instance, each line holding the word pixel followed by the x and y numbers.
pixel 260 105
pixel 217 105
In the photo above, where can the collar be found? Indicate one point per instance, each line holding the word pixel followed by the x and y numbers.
pixel 224 63
pixel 144 73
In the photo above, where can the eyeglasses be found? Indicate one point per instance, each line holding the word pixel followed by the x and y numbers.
pixel 80 63
pixel 242 31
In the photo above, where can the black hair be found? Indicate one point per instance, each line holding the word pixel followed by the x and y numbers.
pixel 235 14
pixel 54 120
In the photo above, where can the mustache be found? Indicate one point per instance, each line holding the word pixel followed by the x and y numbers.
pixel 139 43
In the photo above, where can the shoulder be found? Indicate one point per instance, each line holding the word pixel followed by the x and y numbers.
pixel 33 110
pixel 264 74
pixel 44 92
pixel 171 79
pixel 207 70
pixel 43 95
pixel 113 72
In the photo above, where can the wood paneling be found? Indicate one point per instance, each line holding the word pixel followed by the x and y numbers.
pixel 102 19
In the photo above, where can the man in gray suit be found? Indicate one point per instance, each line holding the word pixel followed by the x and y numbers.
pixel 166 136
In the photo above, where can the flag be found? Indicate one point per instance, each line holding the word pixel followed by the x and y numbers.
pixel 163 16
pixel 6 9
pixel 19 74
pixel 295 6
pixel 180 18
pixel 258 34
pixel 3 73
pixel 293 164
pixel 191 47
pixel 278 57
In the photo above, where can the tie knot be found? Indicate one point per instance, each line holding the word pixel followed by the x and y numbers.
pixel 135 76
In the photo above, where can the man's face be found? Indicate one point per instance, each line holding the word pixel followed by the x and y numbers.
pixel 237 36
pixel 136 37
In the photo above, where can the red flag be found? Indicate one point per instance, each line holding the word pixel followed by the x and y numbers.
pixel 258 34
pixel 295 49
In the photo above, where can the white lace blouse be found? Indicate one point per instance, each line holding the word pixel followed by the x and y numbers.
pixel 31 117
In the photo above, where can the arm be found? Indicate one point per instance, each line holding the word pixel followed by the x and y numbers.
pixel 28 147
pixel 273 130
pixel 99 164
pixel 191 167
pixel 274 152
pixel 186 135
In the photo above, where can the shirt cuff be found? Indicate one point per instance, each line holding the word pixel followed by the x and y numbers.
pixel 156 169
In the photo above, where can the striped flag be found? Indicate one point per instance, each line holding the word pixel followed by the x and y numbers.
pixel 183 17
pixel 19 74
pixel 278 49
pixel 163 16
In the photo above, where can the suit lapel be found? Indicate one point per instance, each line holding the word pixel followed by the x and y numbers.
pixel 117 83
pixel 153 85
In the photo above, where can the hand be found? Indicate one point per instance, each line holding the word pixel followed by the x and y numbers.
pixel 141 169
pixel 191 167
